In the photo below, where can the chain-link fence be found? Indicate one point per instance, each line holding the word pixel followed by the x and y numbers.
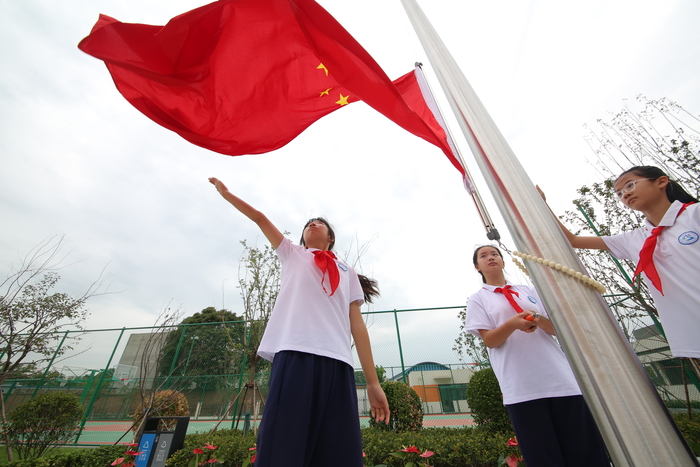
pixel 113 370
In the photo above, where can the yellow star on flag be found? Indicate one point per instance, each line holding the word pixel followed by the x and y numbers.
pixel 325 92
pixel 321 66
pixel 343 100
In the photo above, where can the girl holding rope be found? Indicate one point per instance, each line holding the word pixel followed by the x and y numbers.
pixel 311 411
pixel 666 251
pixel 552 422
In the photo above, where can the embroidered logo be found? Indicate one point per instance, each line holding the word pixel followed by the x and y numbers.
pixel 343 267
pixel 688 238
pixel 532 299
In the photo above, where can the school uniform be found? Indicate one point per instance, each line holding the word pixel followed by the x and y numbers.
pixel 677 261
pixel 551 419
pixel 311 413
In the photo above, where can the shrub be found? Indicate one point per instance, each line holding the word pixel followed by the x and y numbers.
pixel 471 446
pixel 232 446
pixel 690 429
pixel 405 406
pixel 168 403
pixel 486 401
pixel 98 457
pixel 46 420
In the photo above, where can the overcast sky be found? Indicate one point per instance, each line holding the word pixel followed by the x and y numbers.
pixel 79 161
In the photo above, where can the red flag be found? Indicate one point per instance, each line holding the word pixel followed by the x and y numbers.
pixel 247 76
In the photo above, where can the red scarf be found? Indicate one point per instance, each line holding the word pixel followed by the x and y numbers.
pixel 325 260
pixel 508 293
pixel 646 255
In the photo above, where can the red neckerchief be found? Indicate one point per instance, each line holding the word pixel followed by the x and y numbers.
pixel 325 260
pixel 646 255
pixel 508 293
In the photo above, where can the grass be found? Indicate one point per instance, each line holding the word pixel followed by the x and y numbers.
pixel 3 453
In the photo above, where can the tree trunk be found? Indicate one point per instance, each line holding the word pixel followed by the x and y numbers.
pixel 8 446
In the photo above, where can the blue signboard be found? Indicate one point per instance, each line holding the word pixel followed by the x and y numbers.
pixel 145 448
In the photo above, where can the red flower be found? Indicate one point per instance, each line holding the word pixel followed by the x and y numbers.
pixel 512 442
pixel 252 459
pixel 252 449
pixel 198 451
pixel 129 464
pixel 131 444
pixel 427 453
pixel 209 446
pixel 118 461
pixel 512 460
pixel 132 453
pixel 211 461
pixel 411 449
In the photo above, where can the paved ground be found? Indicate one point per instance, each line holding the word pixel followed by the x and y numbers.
pixel 109 432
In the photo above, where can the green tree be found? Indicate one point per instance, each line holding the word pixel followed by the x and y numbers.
pixel 31 370
pixel 470 348
pixel 259 284
pixel 33 316
pixel 39 424
pixel 207 343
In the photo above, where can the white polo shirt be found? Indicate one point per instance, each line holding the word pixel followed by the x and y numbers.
pixel 305 318
pixel 528 366
pixel 677 260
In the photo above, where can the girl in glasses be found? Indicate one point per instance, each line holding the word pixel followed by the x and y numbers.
pixel 552 422
pixel 666 251
pixel 311 410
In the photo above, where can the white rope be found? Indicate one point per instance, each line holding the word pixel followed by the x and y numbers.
pixel 566 270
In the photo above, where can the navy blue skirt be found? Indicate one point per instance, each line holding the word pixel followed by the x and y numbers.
pixel 311 417
pixel 558 432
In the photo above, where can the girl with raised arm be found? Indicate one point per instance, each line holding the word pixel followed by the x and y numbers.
pixel 311 414
pixel 552 422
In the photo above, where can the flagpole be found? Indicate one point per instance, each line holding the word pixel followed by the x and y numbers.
pixel 637 428
pixel 491 231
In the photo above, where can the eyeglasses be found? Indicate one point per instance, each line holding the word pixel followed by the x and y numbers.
pixel 630 186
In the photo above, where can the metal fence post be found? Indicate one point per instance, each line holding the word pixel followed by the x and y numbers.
pixel 398 337
pixel 97 389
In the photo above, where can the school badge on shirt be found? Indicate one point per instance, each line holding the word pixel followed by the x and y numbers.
pixel 688 238
pixel 343 267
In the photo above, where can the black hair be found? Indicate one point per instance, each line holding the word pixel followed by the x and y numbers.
pixel 674 190
pixel 331 232
pixel 370 287
pixel 476 261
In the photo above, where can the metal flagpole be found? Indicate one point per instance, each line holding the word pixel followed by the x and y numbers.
pixel 637 428
pixel 491 231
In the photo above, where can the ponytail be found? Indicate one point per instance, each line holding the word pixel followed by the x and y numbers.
pixel 674 190
pixel 370 288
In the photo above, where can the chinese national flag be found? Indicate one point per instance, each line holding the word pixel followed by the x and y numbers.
pixel 247 76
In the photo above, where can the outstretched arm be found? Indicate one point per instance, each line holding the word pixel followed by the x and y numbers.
pixel 273 235
pixel 589 243
pixel 379 406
